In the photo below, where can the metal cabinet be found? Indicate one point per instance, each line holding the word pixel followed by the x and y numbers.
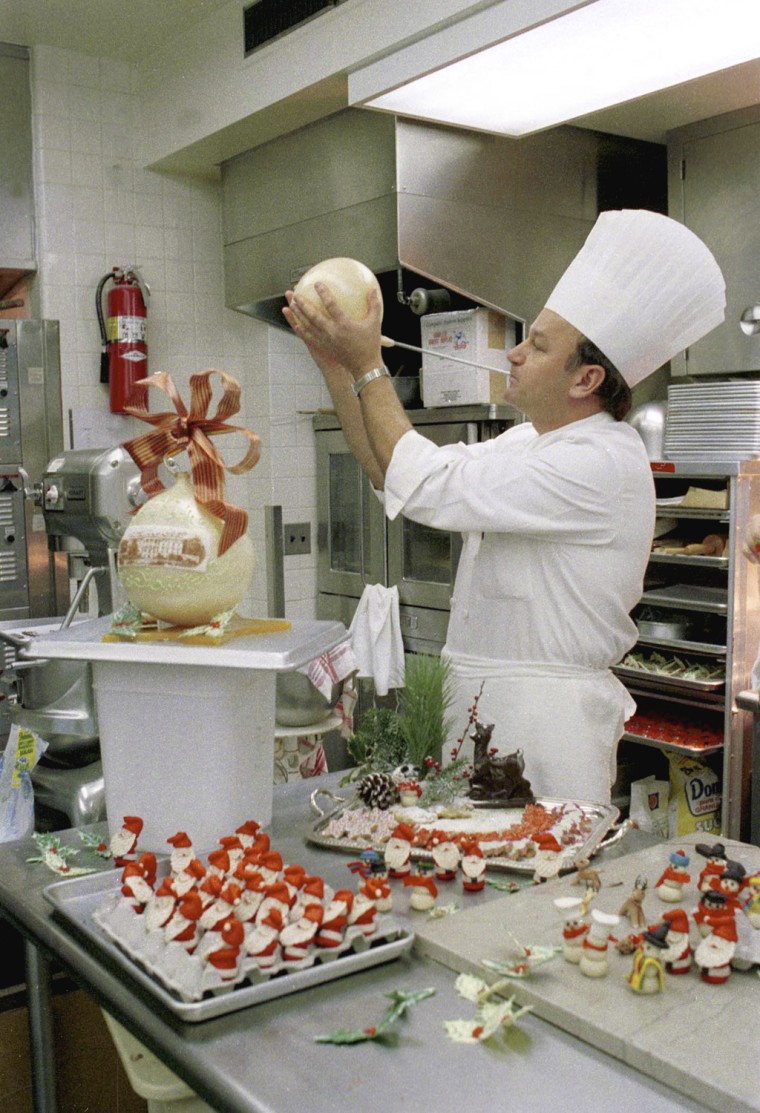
pixel 714 188
pixel 715 601
pixel 357 546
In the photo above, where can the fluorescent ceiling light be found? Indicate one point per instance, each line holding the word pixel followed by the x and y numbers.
pixel 605 53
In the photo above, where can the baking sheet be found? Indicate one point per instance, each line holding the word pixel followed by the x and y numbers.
pixel 76 899
pixel 661 678
pixel 603 818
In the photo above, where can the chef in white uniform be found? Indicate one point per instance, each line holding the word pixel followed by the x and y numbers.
pixel 557 513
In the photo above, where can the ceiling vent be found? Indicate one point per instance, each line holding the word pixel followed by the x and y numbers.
pixel 268 19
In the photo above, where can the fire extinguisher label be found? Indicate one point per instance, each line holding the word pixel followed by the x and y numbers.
pixel 134 356
pixel 127 330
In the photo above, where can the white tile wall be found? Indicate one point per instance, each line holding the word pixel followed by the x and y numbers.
pixel 97 207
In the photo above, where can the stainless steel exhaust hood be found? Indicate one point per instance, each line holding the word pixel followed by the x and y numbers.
pixel 496 220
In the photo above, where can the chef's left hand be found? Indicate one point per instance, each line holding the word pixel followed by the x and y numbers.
pixel 331 333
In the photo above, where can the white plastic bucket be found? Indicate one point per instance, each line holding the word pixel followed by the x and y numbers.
pixel 186 749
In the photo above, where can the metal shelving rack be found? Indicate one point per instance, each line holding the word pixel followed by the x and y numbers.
pixel 726 587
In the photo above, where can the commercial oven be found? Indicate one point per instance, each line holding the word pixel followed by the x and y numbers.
pixel 357 545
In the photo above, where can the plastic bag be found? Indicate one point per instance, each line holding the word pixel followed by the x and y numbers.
pixel 22 752
pixel 649 805
pixel 695 797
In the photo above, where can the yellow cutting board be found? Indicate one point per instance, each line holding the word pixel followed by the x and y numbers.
pixel 237 627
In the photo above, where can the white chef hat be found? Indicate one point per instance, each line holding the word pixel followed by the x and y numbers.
pixel 642 288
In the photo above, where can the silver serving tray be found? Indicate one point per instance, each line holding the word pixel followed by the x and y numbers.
pixel 603 818
pixel 76 899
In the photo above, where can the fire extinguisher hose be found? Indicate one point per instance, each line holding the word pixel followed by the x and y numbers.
pixel 102 323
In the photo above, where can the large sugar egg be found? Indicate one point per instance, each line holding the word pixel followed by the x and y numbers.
pixel 349 280
pixel 169 563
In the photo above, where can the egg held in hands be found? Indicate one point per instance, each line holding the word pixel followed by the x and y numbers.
pixel 349 282
pixel 169 563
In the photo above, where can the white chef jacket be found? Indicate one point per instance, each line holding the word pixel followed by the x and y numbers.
pixel 557 534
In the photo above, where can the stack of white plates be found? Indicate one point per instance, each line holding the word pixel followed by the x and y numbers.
pixel 713 422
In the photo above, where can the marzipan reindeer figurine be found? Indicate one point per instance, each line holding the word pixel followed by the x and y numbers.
pixel 496 778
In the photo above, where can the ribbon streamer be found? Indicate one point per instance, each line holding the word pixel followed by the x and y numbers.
pixel 179 430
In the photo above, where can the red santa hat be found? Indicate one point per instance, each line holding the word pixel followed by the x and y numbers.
pixel 271 860
pixel 191 906
pixel 254 882
pixel 472 850
pixel 250 827
pixel 677 920
pixel 404 832
pixel 273 919
pixel 195 868
pixel 147 865
pixel 279 891
pixel 212 884
pixel 166 888
pixel 180 840
pixel 233 932
pixel 294 875
pixel 315 887
pixel 231 893
pixel 220 860
pixel 231 842
pixel 314 913
pixel 132 823
pixel 545 840
pixel 346 896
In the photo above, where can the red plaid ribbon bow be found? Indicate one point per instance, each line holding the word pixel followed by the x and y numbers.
pixel 179 430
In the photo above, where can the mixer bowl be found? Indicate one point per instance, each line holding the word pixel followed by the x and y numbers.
pixel 299 703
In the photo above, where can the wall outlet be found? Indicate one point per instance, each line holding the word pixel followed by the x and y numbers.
pixel 296 538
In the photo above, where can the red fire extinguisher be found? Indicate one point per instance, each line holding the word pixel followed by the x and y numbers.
pixel 124 356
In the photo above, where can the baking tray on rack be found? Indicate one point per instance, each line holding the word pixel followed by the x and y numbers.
pixel 600 819
pixel 670 679
pixel 77 899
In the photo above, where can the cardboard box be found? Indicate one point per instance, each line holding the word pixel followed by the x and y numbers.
pixel 480 335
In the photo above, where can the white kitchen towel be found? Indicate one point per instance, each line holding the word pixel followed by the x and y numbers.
pixel 376 638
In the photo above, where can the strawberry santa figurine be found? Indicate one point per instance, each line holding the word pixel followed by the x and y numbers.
pixel 671 884
pixel 473 868
pixel 225 956
pixel 677 954
pixel 548 856
pixel 296 939
pixel 263 944
pixel 398 851
pixel 123 844
pixel 716 921
pixel 445 857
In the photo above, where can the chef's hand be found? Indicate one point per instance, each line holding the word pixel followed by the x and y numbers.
pixel 334 338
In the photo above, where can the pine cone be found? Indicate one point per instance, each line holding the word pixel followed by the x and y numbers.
pixel 378 790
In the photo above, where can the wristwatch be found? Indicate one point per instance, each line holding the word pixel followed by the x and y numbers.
pixel 375 373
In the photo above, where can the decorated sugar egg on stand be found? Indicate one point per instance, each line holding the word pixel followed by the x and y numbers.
pixel 185 558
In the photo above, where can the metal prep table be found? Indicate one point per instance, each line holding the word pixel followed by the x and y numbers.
pixel 263 1059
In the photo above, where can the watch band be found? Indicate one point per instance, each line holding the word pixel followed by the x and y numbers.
pixel 375 373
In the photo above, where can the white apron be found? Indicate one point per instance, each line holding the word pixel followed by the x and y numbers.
pixel 552 712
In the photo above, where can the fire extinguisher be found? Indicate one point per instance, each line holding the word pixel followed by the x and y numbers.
pixel 124 356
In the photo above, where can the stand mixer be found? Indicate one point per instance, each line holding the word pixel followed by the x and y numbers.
pixel 86 497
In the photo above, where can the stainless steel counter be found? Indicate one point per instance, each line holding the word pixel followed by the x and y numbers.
pixel 264 1059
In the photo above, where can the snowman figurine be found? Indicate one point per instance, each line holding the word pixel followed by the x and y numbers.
pixel 593 961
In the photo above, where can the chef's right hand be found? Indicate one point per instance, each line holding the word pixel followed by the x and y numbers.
pixel 332 335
